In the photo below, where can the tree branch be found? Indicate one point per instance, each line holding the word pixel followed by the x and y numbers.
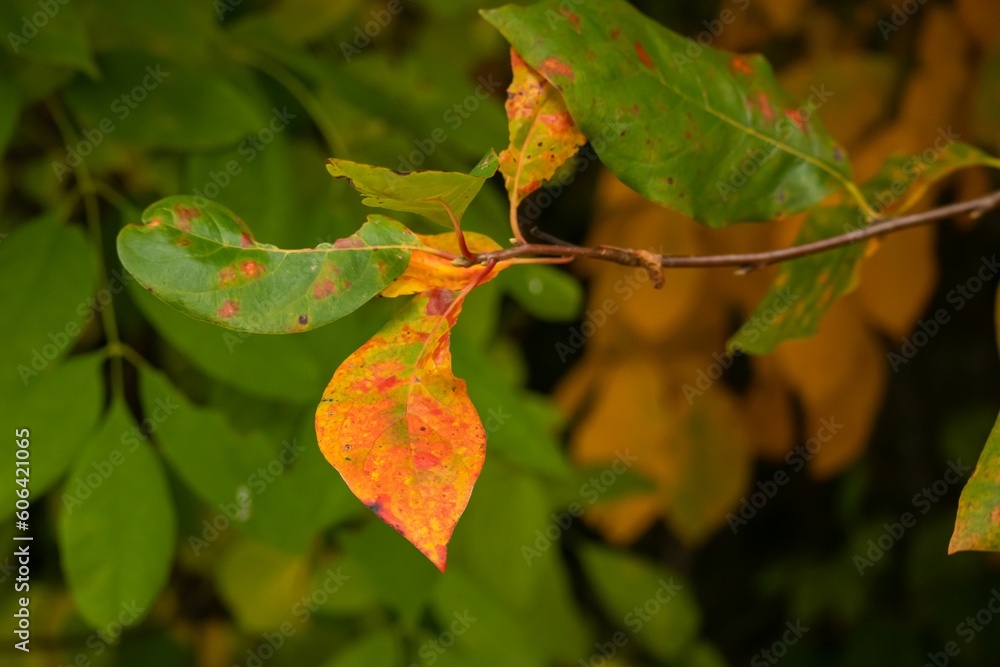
pixel 745 261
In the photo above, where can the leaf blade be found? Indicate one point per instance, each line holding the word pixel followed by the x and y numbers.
pixel 420 192
pixel 197 256
pixel 400 428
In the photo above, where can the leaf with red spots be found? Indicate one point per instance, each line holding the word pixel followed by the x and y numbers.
pixel 400 428
pixel 977 526
pixel 806 288
pixel 683 124
pixel 420 192
pixel 543 135
pixel 197 256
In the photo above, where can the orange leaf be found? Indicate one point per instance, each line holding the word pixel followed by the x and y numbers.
pixel 399 426
pixel 428 271
pixel 543 135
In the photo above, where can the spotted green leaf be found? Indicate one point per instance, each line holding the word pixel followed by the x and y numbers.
pixel 688 126
pixel 197 256
pixel 977 526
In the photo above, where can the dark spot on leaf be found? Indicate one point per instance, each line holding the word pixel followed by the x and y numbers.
pixel 303 320
pixel 245 240
pixel 670 180
pixel 375 507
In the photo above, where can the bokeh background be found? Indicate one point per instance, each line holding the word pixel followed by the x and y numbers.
pixel 647 500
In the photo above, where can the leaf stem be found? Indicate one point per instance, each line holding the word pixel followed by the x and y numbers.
pixel 458 230
pixel 744 261
pixel 92 213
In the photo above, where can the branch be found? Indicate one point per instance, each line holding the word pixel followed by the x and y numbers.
pixel 745 261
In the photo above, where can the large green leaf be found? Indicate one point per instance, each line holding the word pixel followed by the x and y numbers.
pixel 155 102
pixel 61 409
pixel 806 288
pixel 46 269
pixel 117 527
pixel 57 36
pixel 696 129
pixel 200 258
pixel 419 192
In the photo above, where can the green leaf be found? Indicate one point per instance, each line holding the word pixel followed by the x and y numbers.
pixel 46 269
pixel 545 292
pixel 154 102
pixel 379 648
pixel 625 583
pixel 262 585
pixel 977 526
pixel 257 485
pixel 806 288
pixel 675 120
pixel 200 258
pixel 117 528
pixel 61 409
pixel 419 192
pixel 58 37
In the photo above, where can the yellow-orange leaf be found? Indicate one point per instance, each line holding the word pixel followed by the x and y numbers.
pixel 429 271
pixel 399 426
pixel 543 135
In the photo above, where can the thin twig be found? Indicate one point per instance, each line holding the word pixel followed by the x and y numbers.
pixel 746 261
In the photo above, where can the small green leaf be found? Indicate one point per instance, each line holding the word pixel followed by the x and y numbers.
pixel 545 292
pixel 624 584
pixel 200 258
pixel 117 527
pixel 419 192
pixel 46 269
pixel 675 120
pixel 977 526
